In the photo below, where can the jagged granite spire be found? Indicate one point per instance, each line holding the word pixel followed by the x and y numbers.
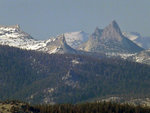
pixel 97 32
pixel 59 45
pixel 110 39
pixel 112 31
pixel 114 25
pixel 62 39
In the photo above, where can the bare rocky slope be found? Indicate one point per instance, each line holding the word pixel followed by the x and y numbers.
pixel 110 40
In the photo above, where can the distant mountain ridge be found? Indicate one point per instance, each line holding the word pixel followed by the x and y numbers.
pixel 15 37
pixel 141 41
pixel 75 39
pixel 110 39
pixel 72 67
pixel 105 40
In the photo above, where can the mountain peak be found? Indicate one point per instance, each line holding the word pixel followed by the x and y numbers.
pixel 110 39
pixel 62 39
pixel 112 31
pixel 97 32
pixel 75 39
pixel 58 45
pixel 114 23
pixel 114 26
pixel 12 26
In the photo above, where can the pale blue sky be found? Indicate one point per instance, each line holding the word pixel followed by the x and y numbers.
pixel 45 18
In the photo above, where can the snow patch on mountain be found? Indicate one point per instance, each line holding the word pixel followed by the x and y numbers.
pixel 74 39
pixel 142 57
pixel 132 35
pixel 14 36
pixel 121 55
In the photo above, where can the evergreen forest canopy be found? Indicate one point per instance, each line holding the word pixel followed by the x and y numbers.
pixel 103 107
pixel 38 77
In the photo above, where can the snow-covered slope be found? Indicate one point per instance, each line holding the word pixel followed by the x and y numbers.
pixel 75 39
pixel 65 43
pixel 14 36
pixel 131 35
pixel 142 57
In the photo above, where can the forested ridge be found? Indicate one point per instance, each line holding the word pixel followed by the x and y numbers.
pixel 38 77
pixel 102 107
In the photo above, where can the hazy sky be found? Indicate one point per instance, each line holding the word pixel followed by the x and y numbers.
pixel 45 18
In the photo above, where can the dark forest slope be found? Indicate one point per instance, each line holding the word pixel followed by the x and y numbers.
pixel 42 78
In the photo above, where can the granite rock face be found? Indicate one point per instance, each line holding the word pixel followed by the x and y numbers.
pixel 58 45
pixel 110 39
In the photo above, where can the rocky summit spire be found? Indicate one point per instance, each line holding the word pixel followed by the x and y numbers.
pixel 110 39
pixel 114 24
pixel 98 32
pixel 59 45
pixel 112 31
pixel 62 38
